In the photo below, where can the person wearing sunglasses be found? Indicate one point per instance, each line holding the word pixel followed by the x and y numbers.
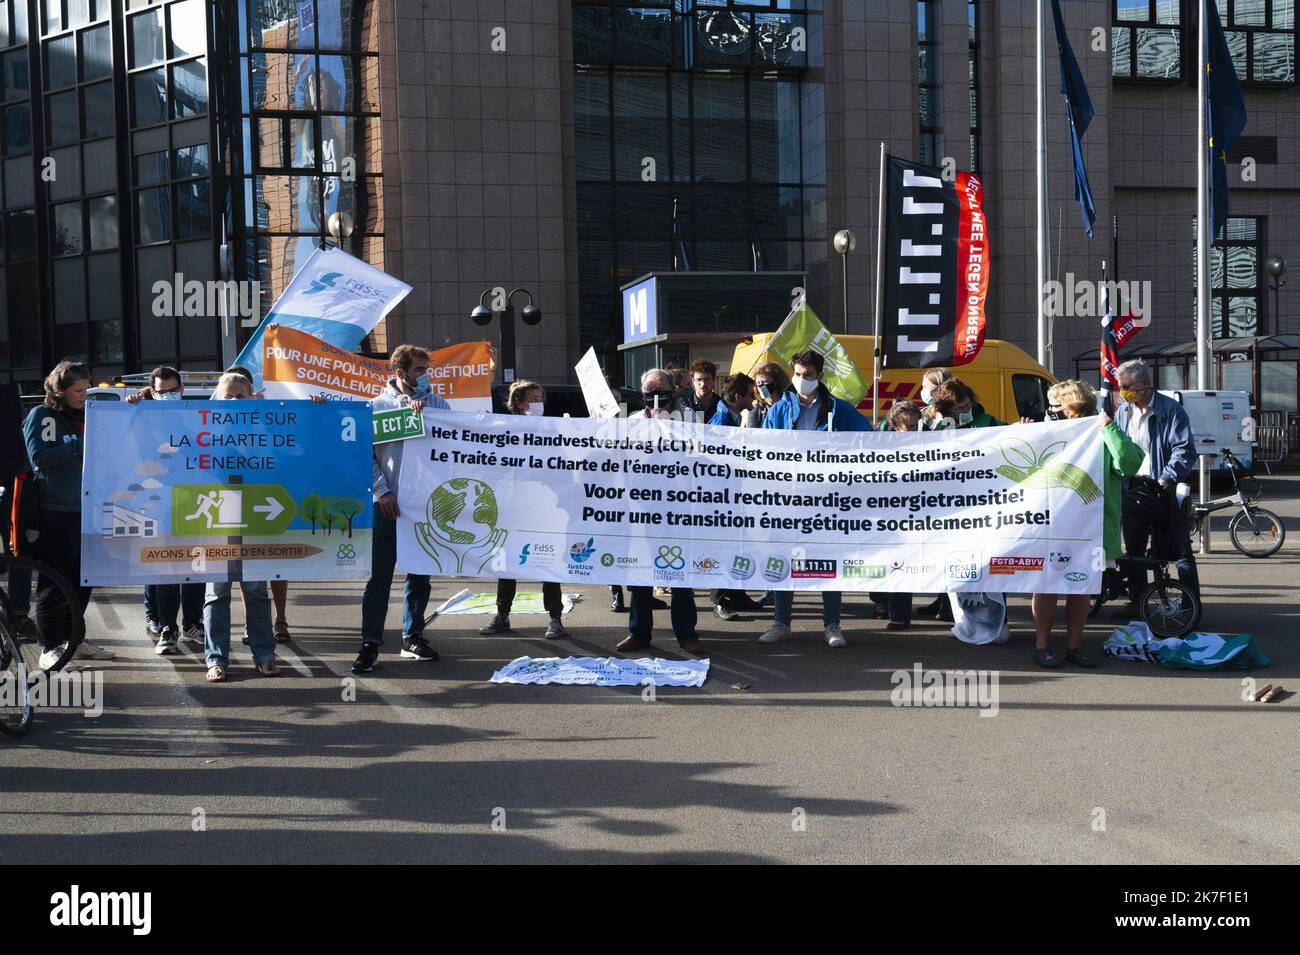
pixel 659 393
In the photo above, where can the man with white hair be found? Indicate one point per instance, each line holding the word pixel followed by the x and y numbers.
pixel 1160 427
pixel 659 392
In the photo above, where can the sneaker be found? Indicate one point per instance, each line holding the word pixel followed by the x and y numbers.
pixel 662 592
pixel 151 627
pixel 365 661
pixel 50 657
pixel 166 645
pixel 616 603
pixel 723 612
pixel 555 630
pixel 417 648
pixel 775 634
pixel 834 636
pixel 194 633
pixel 498 625
pixel 92 651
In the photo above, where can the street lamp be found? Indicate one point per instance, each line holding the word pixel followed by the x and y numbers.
pixel 1275 266
pixel 531 315
pixel 340 226
pixel 844 243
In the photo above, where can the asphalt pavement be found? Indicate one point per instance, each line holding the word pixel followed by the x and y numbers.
pixel 789 753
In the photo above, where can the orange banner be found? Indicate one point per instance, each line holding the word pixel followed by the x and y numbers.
pixel 462 374
pixel 298 365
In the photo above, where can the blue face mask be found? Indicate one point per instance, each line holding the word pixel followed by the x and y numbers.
pixel 168 396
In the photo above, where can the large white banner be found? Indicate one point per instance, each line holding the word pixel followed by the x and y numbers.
pixel 666 503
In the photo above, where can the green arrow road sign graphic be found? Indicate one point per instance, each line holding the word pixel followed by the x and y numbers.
pixel 207 510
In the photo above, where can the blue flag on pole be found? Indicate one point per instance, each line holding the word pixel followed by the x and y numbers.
pixel 1078 111
pixel 1226 109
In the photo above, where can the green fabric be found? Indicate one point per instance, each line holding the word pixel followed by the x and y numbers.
pixel 981 420
pixel 1121 458
pixel 1206 651
pixel 802 329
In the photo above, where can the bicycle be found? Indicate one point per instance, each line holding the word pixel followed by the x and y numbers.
pixel 55 610
pixel 1168 606
pixel 1254 531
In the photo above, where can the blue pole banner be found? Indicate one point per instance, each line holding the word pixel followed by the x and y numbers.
pixel 190 492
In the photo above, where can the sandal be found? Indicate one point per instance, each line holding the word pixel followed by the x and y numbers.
pixel 267 668
pixel 282 632
pixel 1046 658
pixel 216 674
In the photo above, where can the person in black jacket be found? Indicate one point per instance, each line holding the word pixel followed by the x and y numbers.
pixel 701 400
pixel 55 435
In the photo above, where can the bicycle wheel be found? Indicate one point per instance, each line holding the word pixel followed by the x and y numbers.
pixel 1169 608
pixel 15 703
pixel 1257 532
pixel 55 611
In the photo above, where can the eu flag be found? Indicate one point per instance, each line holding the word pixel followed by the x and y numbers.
pixel 1078 110
pixel 1225 113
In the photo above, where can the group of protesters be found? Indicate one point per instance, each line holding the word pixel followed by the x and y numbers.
pixel 1147 448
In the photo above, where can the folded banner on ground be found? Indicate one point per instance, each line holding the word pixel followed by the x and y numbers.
pixel 603 671
pixel 936 267
pixel 336 297
pixel 526 601
pixel 658 502
pixel 177 492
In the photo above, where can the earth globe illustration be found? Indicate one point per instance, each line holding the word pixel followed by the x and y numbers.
pixel 463 512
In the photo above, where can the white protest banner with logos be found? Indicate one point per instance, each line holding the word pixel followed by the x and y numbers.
pixel 639 501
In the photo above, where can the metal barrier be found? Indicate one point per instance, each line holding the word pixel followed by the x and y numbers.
pixel 1272 441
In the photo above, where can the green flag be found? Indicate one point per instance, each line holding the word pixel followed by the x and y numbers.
pixel 801 330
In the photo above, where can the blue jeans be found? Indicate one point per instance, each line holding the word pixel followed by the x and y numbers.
pixel 216 622
pixel 641 618
pixel 783 604
pixel 374 603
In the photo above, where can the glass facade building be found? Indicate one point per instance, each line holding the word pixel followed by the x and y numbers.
pixel 700 142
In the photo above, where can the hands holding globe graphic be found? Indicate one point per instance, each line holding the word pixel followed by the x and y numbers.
pixel 460 534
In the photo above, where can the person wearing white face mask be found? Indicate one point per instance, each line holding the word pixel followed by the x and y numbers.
pixel 930 382
pixel 808 405
pixel 527 398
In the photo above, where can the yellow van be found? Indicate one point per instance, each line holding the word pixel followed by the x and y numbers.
pixel 1008 382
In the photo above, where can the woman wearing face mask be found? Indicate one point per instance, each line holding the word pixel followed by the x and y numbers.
pixel 770 383
pixel 931 380
pixel 955 402
pixel 526 398
pixel 1121 458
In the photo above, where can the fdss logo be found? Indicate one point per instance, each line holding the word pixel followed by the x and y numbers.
pixel 537 554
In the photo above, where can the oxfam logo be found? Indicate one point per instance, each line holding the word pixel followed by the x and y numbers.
pixel 670 558
pixel 607 560
pixel 460 532
pixel 346 552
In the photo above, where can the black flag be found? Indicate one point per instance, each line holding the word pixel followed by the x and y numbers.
pixel 936 267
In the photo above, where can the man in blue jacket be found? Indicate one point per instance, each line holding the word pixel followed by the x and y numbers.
pixel 1160 427
pixel 808 405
